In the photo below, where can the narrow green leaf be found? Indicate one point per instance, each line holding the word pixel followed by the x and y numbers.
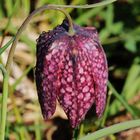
pixel 117 28
pixel 130 44
pixel 88 14
pixel 109 16
pixel 26 6
pixel 6 46
pixel 121 99
pixel 112 129
pixel 22 76
pixel 9 6
pixel 132 75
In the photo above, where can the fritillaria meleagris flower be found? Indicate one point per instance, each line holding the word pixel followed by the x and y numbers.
pixel 72 70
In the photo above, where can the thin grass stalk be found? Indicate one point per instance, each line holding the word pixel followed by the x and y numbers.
pixel 4 102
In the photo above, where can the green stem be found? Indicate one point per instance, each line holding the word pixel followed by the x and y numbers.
pixel 75 133
pixel 121 99
pixel 112 129
pixel 106 2
pixel 106 110
pixel 4 103
pixel 81 130
pixel 23 26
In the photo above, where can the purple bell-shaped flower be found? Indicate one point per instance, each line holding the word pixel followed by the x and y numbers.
pixel 72 70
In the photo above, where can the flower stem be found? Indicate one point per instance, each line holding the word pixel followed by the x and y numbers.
pixel 112 129
pixel 25 23
pixel 106 2
pixel 106 109
pixel 81 131
pixel 75 133
pixel 4 102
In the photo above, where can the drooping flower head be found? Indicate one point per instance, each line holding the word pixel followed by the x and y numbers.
pixel 72 70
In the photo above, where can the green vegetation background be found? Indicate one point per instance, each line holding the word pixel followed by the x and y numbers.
pixel 118 25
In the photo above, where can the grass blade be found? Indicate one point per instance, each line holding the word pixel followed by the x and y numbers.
pixel 6 46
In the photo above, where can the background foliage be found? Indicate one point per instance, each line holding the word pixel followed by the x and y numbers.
pixel 118 25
